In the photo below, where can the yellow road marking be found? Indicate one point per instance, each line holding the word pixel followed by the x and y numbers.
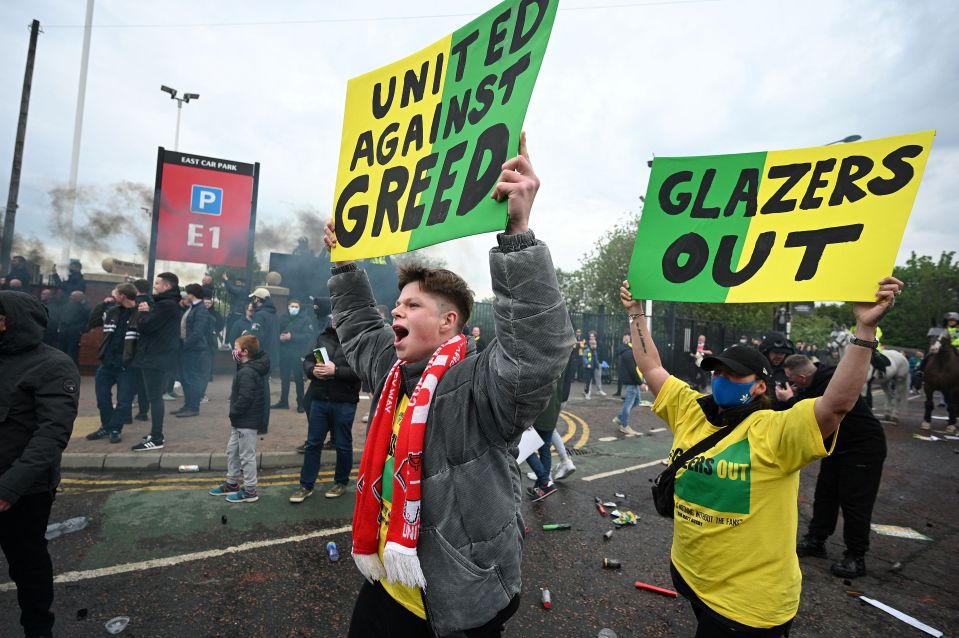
pixel 69 486
pixel 570 426
pixel 571 420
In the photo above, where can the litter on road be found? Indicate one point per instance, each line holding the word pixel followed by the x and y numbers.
pixel 906 618
pixel 898 532
pixel 118 624
pixel 75 524
pixel 656 590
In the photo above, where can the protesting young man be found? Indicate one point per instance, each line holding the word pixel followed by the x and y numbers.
pixel 438 533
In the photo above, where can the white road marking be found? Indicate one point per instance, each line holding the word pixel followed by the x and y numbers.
pixel 593 477
pixel 72 577
pixel 657 430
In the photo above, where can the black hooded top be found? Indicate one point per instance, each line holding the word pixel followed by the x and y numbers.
pixel 39 392
pixel 250 394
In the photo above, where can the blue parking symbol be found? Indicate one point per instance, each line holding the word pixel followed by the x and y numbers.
pixel 206 200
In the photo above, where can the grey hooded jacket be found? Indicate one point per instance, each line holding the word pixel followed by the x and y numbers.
pixel 471 531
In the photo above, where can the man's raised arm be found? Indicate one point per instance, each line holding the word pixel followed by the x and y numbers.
pixel 850 375
pixel 533 332
pixel 367 341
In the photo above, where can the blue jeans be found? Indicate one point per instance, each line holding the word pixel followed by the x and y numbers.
pixel 631 398
pixel 125 379
pixel 540 461
pixel 325 416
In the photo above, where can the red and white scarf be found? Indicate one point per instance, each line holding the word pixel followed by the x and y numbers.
pixel 400 563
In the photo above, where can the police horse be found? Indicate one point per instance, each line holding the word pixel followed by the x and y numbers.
pixel 894 383
pixel 839 339
pixel 941 373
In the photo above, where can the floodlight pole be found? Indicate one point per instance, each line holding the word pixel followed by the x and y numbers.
pixel 179 109
pixel 10 215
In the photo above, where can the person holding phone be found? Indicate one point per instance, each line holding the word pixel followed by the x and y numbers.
pixel 334 392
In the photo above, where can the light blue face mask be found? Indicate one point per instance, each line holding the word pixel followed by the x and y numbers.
pixel 729 394
pixel 294 311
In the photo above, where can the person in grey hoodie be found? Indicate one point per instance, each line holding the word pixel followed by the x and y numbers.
pixel 39 391
pixel 458 570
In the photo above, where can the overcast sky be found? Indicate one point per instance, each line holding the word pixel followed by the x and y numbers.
pixel 621 80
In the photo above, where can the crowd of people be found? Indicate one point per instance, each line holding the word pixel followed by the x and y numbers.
pixel 437 524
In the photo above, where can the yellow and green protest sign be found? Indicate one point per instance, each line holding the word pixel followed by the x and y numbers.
pixel 424 138
pixel 822 223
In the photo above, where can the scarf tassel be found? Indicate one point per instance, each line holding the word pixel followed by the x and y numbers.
pixel 370 566
pixel 403 565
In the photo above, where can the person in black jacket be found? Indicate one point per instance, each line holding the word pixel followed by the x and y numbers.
pixel 776 347
pixel 632 385
pixel 296 335
pixel 196 325
pixel 158 350
pixel 75 281
pixel 239 299
pixel 74 321
pixel 249 417
pixel 39 392
pixel 244 325
pixel 218 323
pixel 18 270
pixel 50 301
pixel 112 370
pixel 265 326
pixel 334 392
pixel 848 478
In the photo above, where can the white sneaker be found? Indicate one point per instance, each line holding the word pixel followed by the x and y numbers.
pixel 564 470
pixel 205 399
pixel 531 476
pixel 628 431
pixel 601 393
pixel 617 421
pixel 586 396
pixel 950 429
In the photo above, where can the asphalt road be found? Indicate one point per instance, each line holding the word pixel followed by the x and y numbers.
pixel 285 587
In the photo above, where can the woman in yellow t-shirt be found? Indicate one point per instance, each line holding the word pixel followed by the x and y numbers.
pixel 735 513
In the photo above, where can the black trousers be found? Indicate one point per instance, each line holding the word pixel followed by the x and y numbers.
pixel 155 383
pixel 22 529
pixel 377 615
pixel 291 367
pixel 850 482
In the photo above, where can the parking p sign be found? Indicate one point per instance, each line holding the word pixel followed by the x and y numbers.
pixel 206 200
pixel 204 210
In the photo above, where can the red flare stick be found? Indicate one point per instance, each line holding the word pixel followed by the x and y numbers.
pixel 655 589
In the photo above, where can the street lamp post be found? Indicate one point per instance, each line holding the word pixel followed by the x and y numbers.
pixel 179 107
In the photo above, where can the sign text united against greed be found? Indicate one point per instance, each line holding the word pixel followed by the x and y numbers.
pixel 424 138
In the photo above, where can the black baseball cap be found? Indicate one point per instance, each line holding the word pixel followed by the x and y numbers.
pixel 742 360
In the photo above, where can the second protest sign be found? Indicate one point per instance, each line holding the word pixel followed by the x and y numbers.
pixel 822 223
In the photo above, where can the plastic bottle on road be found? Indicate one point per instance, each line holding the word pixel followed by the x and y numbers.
pixel 75 524
pixel 116 625
pixel 332 552
pixel 606 632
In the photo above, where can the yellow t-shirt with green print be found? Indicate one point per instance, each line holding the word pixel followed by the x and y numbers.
pixel 736 506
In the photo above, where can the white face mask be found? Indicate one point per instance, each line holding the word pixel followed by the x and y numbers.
pixel 294 311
